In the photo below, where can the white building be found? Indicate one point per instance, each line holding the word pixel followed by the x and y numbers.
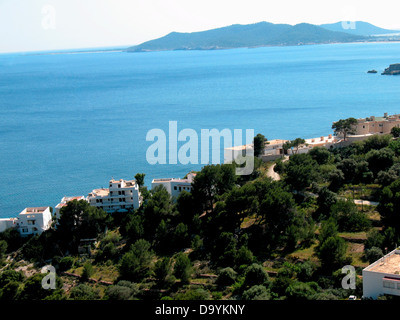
pixel 175 186
pixel 63 203
pixel 34 220
pixel 120 196
pixel 382 276
pixel 6 223
pixel 230 154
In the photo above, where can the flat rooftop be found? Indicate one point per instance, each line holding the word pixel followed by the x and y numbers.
pixel 275 141
pixel 169 180
pixel 388 264
pixel 33 210
pixel 100 192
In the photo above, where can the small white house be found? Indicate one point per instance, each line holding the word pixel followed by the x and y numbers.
pixel 34 220
pixel 175 186
pixel 383 276
pixel 6 223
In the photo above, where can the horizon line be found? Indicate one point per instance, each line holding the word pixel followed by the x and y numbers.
pixel 121 47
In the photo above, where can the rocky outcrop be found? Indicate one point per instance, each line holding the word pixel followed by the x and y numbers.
pixel 394 69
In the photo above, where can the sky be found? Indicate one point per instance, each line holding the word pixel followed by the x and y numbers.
pixel 35 25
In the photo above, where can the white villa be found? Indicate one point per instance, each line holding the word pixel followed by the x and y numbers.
pixel 382 276
pixel 34 220
pixel 120 196
pixel 175 186
pixel 64 201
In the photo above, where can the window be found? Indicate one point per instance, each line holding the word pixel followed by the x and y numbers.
pixel 388 284
pixel 31 222
pixel 25 230
pixel 175 188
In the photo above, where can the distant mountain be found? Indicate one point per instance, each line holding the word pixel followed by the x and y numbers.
pixel 251 35
pixel 361 28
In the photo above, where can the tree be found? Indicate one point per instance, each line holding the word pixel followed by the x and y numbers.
pixel 123 290
pixel 276 209
pixel 84 292
pixel 211 182
pixel 373 254
pixel 344 127
pixel 79 220
pixel 259 144
pixel 389 205
pixel 296 143
pixel 87 271
pixel 33 290
pixel 302 291
pixel 255 275
pixel 380 160
pixel 345 212
pixel 183 267
pixel 300 171
pixel 227 276
pixel 257 292
pixel 395 132
pixel 3 250
pixel 332 252
pixel 139 177
pixel 163 272
pixel 159 207
pixel 321 155
pixel 135 265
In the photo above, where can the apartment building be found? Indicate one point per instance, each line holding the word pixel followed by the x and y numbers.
pixel 121 195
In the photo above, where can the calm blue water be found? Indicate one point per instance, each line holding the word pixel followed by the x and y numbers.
pixel 70 122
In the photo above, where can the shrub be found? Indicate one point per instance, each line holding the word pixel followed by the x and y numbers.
pixel 227 277
pixel 257 292
pixel 84 292
pixel 255 275
pixel 373 254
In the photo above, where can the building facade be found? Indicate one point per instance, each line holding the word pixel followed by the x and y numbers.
pixel 6 223
pixel 377 125
pixel 175 186
pixel 383 276
pixel 121 195
pixel 32 221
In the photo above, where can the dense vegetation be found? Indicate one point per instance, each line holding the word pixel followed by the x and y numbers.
pixel 233 237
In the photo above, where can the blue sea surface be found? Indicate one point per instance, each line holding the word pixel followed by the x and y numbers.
pixel 70 122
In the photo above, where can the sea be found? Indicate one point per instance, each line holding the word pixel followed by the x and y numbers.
pixel 72 120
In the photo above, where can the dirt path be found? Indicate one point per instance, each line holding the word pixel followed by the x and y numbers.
pixel 274 175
